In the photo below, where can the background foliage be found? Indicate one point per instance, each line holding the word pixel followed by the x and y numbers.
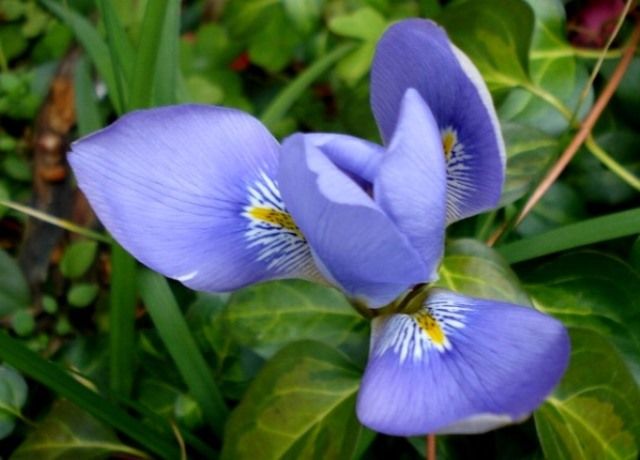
pixel 100 358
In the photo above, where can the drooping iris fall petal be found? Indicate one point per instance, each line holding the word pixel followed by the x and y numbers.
pixel 190 191
pixel 459 365
pixel 417 53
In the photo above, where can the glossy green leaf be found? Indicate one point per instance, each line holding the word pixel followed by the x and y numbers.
pixel 14 291
pixel 471 268
pixel 70 433
pixel 561 205
pixel 301 405
pixel 13 396
pixel 495 34
pixel 554 68
pixel 593 290
pixel 78 258
pixel 529 151
pixel 268 316
pixel 593 414
pixel 86 104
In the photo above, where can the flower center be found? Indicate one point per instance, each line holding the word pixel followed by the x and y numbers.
pixel 449 141
pixel 431 326
pixel 275 217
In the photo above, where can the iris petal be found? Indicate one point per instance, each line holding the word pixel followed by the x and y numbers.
pixel 354 242
pixel 411 183
pixel 417 54
pixel 459 365
pixel 190 191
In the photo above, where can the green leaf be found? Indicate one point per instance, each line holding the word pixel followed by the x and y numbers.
pixel 287 97
pixel 586 231
pixel 304 14
pixel 554 68
pixel 596 291
pixel 13 396
pixel 82 294
pixel 14 291
pixel 86 104
pixel 148 51
pixel 301 405
pixel 70 433
pixel 122 316
pixel 268 316
pixel 496 35
pixel 596 181
pixel 471 268
pixel 53 377
pixel 364 23
pixel 168 67
pixel 561 205
pixel 78 258
pixel 594 411
pixel 175 334
pixel 270 47
pixel 94 45
pixel 528 153
pixel 23 323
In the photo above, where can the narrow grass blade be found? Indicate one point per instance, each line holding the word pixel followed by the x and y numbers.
pixel 93 44
pixel 287 97
pixel 144 71
pixel 122 338
pixel 168 67
pixel 175 335
pixel 54 378
pixel 120 48
pixel 86 104
pixel 588 231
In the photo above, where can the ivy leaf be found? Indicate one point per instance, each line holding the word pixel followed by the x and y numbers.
pixel 13 395
pixel 68 432
pixel 595 291
pixel 553 67
pixel 594 411
pixel 496 35
pixel 528 152
pixel 14 291
pixel 268 316
pixel 471 268
pixel 301 405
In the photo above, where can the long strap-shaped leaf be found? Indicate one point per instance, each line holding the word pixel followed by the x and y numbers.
pixel 175 335
pixel 53 377
pixel 588 231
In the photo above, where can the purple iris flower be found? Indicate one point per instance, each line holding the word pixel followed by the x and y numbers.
pixel 206 196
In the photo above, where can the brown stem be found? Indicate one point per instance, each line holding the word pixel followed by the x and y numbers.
pixel 431 447
pixel 582 134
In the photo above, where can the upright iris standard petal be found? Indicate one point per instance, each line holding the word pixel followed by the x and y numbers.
pixel 411 184
pixel 354 242
pixel 417 54
pixel 459 365
pixel 190 191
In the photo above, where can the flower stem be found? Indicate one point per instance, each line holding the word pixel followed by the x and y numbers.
pixel 431 447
